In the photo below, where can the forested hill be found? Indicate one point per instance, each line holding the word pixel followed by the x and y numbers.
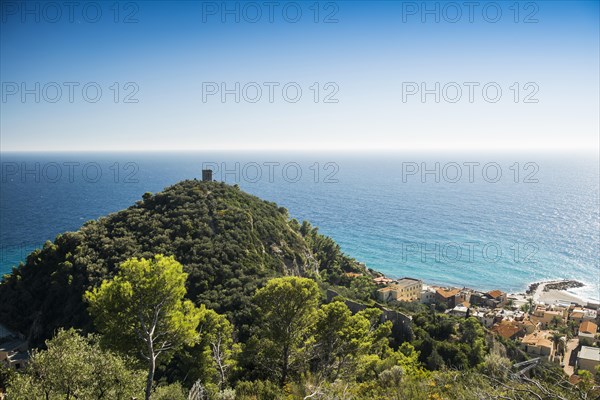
pixel 229 242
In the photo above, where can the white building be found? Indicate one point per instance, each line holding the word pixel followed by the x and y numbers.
pixel 485 317
pixel 588 358
pixel 427 295
pixel 459 311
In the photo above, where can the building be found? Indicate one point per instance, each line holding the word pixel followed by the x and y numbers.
pixel 538 344
pixel 13 352
pixel 447 296
pixel 587 333
pixel 382 280
pixel 406 289
pixel 13 348
pixel 477 298
pixel 548 314
pixel 410 289
pixel 588 358
pixel 485 317
pixel 464 296
pixel 528 327
pixel 427 295
pixel 461 310
pixel 493 298
pixel 508 329
pixel 497 297
pixel 207 175
pixel 579 315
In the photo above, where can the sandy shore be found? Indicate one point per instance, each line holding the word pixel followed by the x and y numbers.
pixel 551 296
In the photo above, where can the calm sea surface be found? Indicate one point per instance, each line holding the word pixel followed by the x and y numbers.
pixel 483 221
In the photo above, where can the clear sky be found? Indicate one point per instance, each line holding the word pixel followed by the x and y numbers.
pixel 374 58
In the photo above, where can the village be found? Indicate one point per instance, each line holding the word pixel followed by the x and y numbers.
pixel 561 332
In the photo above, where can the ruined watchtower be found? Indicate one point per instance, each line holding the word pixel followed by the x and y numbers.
pixel 207 175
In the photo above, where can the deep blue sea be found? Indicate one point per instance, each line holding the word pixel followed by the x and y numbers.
pixel 483 221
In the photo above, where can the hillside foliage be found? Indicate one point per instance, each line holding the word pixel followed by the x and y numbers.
pixel 229 243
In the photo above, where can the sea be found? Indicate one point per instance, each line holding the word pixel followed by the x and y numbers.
pixel 484 221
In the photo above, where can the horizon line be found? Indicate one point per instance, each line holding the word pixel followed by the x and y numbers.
pixel 563 150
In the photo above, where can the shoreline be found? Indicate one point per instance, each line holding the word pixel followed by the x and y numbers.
pixel 556 291
pixel 552 292
pixel 548 292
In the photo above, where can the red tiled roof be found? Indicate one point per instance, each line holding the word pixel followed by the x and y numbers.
pixel 588 327
pixel 447 293
pixel 506 329
pixel 495 293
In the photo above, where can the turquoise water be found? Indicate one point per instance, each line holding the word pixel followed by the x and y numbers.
pixel 539 224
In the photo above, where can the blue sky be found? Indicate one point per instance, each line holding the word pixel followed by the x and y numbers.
pixel 367 56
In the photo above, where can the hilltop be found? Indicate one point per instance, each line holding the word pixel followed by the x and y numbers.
pixel 229 242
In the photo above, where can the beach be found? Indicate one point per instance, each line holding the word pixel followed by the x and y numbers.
pixel 540 294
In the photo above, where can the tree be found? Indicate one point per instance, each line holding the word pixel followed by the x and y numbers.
pixel 435 361
pixel 474 336
pixel 142 309
pixel 530 303
pixel 287 309
pixel 557 342
pixel 342 339
pixel 173 391
pixel 362 288
pixel 555 322
pixel 496 366
pixel 212 359
pixel 217 345
pixel 75 367
pixel 333 333
pixel 6 374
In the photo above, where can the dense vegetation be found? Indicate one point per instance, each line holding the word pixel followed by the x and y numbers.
pixel 300 349
pixel 229 243
pixel 204 292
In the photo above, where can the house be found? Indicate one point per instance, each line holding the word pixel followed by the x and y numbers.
pixel 588 358
pixel 587 333
pixel 528 327
pixel 410 289
pixel 548 314
pixel 485 317
pixel 579 315
pixel 13 352
pixel 406 289
pixel 493 298
pixel 549 317
pixel 13 348
pixel 497 297
pixel 382 280
pixel 427 295
pixel 387 294
pixel 464 296
pixel 446 296
pixel 538 344
pixel 18 361
pixel 508 329
pixel 503 314
pixel 461 310
pixel 477 298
